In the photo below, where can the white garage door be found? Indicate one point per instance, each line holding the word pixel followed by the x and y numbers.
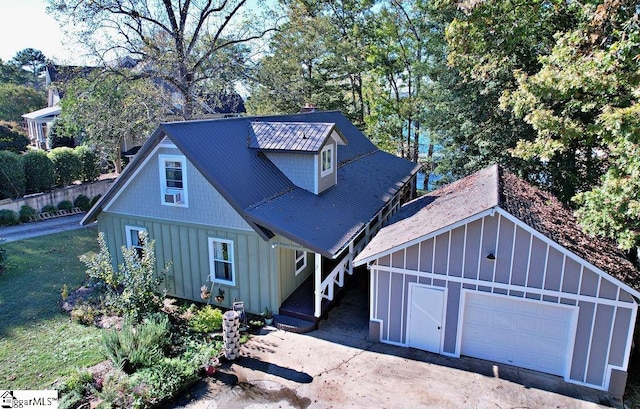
pixel 532 335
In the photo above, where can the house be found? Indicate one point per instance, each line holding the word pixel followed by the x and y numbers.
pixel 255 207
pixel 494 268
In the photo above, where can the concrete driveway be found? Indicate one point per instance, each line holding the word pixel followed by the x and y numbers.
pixel 337 367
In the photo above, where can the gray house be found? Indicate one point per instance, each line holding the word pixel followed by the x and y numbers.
pixel 256 207
pixel 492 267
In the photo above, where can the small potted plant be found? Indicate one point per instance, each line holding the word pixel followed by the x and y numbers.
pixel 220 296
pixel 268 316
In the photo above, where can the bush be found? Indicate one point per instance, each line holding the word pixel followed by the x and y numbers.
pixel 84 314
pixel 12 179
pixel 61 135
pixel 95 199
pixel 27 213
pixel 74 388
pixel 8 218
pixel 162 380
pixel 90 169
pixel 48 209
pixel 65 205
pixel 82 202
pixel 67 164
pixel 3 259
pixel 12 138
pixel 39 171
pixel 207 319
pixel 136 347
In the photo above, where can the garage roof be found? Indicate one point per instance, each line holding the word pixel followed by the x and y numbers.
pixel 493 188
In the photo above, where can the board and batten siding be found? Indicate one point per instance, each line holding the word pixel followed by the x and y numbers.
pixel 527 266
pixel 289 281
pixel 206 204
pixel 185 246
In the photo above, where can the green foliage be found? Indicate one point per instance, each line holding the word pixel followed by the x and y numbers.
pixel 136 347
pixel 84 314
pixel 39 171
pixel 207 319
pixel 32 60
pixel 65 205
pixel 162 380
pixel 90 163
pixel 12 178
pixel 82 202
pixel 132 287
pixel 48 209
pixel 12 74
pixel 8 218
pixel 62 134
pixel 73 388
pixel 27 213
pixel 12 138
pixel 95 199
pixel 67 165
pixel 16 100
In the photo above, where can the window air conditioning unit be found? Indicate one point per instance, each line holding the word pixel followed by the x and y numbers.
pixel 173 197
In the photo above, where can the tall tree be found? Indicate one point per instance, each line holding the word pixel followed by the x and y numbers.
pixel 107 108
pixel 189 44
pixel 11 74
pixel 16 100
pixel 34 61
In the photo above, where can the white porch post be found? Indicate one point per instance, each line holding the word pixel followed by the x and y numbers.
pixel 318 285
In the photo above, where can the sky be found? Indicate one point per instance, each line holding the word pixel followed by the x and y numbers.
pixel 26 24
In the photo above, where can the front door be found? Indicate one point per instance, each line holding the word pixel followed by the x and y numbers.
pixel 424 328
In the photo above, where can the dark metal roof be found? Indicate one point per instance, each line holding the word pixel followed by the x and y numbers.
pixel 289 136
pixel 266 198
pixel 491 188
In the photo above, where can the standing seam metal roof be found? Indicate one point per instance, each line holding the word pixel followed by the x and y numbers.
pixel 288 136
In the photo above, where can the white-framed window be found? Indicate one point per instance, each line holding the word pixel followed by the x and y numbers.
pixel 173 180
pixel 301 261
pixel 221 261
pixel 134 238
pixel 326 160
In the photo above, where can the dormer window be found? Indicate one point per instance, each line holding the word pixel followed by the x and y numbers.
pixel 327 160
pixel 173 180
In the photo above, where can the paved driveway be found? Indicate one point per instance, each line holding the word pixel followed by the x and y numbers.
pixel 337 367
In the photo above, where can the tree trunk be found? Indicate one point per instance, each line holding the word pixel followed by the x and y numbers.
pixel 428 168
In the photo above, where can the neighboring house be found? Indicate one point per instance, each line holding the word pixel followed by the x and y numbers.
pixel 40 121
pixel 494 268
pixel 255 206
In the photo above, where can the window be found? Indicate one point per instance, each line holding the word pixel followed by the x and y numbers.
pixel 221 262
pixel 134 238
pixel 301 261
pixel 173 180
pixel 326 157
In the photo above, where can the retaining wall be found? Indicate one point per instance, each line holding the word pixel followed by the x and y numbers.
pixel 40 200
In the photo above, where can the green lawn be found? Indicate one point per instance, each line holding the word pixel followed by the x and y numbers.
pixel 38 342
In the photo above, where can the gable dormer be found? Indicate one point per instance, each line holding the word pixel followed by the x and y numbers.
pixel 306 152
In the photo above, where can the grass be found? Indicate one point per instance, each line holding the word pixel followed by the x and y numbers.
pixel 38 342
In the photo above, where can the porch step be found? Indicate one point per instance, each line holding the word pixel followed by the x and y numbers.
pixel 292 324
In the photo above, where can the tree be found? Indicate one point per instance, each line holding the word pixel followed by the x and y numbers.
pixel 190 45
pixel 34 60
pixel 583 105
pixel 105 109
pixel 39 171
pixel 12 138
pixel 16 100
pixel 11 74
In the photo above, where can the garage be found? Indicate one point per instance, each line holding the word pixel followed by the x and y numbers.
pixel 494 268
pixel 528 334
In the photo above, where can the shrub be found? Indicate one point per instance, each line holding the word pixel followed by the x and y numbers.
pixel 73 388
pixel 61 134
pixel 67 164
pixel 207 319
pixel 84 314
pixel 12 138
pixel 65 205
pixel 8 218
pixel 12 179
pixel 95 199
pixel 39 171
pixel 162 380
pixel 90 169
pixel 82 202
pixel 136 347
pixel 27 213
pixel 3 259
pixel 48 209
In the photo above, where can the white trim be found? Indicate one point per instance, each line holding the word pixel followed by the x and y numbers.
pixel 212 260
pixel 328 171
pixel 180 193
pixel 182 221
pixel 316 179
pixel 127 231
pixel 303 257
